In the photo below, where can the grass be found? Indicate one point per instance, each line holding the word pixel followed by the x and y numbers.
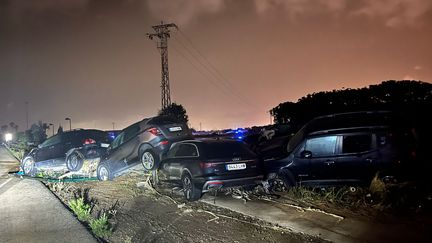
pixel 99 226
pixel 81 209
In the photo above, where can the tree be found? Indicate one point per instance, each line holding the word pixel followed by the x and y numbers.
pixel 413 98
pixel 176 112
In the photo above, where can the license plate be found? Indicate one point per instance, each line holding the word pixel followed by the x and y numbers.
pixel 240 166
pixel 104 145
pixel 174 129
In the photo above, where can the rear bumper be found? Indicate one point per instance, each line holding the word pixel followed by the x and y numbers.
pixel 244 181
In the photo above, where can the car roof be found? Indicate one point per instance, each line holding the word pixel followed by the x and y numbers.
pixel 209 141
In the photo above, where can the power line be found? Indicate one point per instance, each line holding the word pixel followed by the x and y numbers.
pixel 198 57
pixel 208 78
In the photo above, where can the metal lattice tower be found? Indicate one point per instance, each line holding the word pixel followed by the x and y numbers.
pixel 162 32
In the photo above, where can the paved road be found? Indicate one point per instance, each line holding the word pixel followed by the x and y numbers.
pixel 29 212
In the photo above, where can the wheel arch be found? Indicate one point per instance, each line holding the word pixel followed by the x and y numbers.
pixel 144 147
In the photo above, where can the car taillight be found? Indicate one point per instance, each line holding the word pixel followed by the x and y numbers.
pixel 204 165
pixel 89 141
pixel 154 131
pixel 164 142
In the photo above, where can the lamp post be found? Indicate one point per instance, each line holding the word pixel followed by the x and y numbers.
pixel 52 127
pixel 27 117
pixel 70 123
pixel 113 125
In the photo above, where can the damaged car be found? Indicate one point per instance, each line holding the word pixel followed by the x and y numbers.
pixel 205 164
pixel 345 149
pixel 144 142
pixel 66 151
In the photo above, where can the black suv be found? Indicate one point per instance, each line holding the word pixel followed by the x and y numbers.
pixel 211 163
pixel 66 150
pixel 346 149
pixel 145 141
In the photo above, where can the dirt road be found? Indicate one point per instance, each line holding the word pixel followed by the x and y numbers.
pixel 141 214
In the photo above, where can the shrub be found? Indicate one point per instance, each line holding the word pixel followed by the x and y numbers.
pixel 81 209
pixel 100 227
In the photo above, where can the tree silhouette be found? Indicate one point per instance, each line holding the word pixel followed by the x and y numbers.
pixel 413 98
pixel 176 112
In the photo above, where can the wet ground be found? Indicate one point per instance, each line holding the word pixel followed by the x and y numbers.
pixel 139 213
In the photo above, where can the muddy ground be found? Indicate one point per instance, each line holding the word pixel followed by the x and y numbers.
pixel 139 213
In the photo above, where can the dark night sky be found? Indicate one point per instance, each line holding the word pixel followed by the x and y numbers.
pixel 91 60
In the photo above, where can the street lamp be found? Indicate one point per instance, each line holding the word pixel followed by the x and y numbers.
pixel 70 123
pixel 52 127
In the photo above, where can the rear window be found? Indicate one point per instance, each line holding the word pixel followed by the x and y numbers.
pixel 226 150
pixel 356 143
pixel 162 121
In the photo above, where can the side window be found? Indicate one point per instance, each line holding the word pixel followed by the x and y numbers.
pixel 186 150
pixel 173 151
pixel 117 141
pixel 321 146
pixel 356 143
pixel 51 141
pixel 131 131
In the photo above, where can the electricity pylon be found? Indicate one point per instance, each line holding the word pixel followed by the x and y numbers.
pixel 162 32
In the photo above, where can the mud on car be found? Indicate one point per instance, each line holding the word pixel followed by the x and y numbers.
pixel 66 151
pixel 144 142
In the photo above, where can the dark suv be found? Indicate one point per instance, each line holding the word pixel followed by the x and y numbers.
pixel 346 149
pixel 211 163
pixel 66 150
pixel 145 141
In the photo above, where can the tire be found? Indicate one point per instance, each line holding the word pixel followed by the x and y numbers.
pixel 149 160
pixel 104 172
pixel 74 161
pixel 28 166
pixel 282 182
pixel 190 191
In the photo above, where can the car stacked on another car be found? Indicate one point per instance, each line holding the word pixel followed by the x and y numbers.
pixel 66 150
pixel 143 142
pixel 211 163
pixel 346 149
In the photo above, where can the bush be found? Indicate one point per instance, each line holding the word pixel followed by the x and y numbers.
pixel 100 227
pixel 81 209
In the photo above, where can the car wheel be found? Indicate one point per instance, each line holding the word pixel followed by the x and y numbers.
pixel 104 172
pixel 190 190
pixel 149 160
pixel 282 182
pixel 28 166
pixel 74 161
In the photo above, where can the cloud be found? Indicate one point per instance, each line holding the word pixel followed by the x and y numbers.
pixel 418 67
pixel 298 7
pixel 393 13
pixel 183 11
pixel 408 77
pixel 19 9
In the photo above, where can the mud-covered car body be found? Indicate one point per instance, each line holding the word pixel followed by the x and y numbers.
pixel 346 149
pixel 66 151
pixel 145 141
pixel 211 163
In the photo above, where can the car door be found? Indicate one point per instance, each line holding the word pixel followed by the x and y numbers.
pixel 58 150
pixel 356 157
pixel 46 151
pixel 180 156
pixel 131 144
pixel 316 160
pixel 114 153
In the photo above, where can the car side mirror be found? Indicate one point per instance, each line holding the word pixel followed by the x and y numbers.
pixel 306 154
